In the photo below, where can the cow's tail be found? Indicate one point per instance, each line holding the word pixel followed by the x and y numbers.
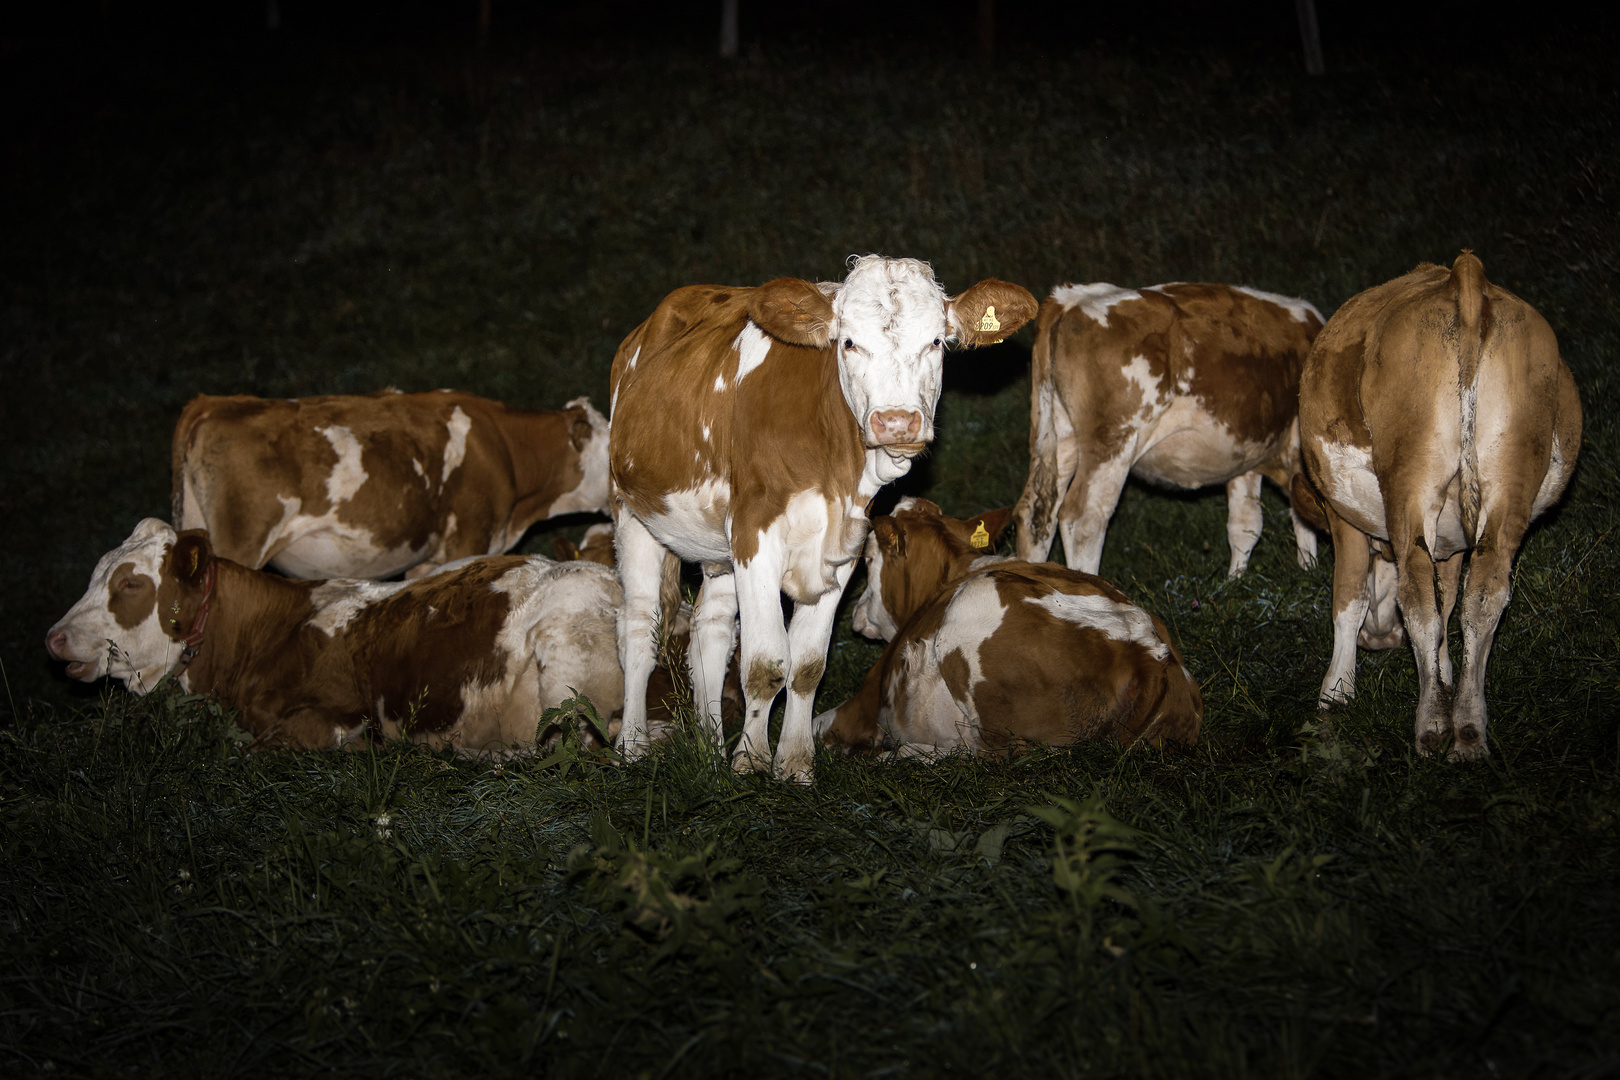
pixel 1468 287
pixel 1036 512
pixel 195 411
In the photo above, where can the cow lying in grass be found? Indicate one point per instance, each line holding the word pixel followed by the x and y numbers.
pixel 1182 385
pixel 988 653
pixel 467 657
pixel 1437 418
pixel 379 485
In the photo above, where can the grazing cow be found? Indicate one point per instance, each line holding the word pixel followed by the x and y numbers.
pixel 378 485
pixel 991 653
pixel 1181 385
pixel 467 657
pixel 751 428
pixel 1437 418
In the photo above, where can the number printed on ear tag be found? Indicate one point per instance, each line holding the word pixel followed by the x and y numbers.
pixel 980 538
pixel 989 324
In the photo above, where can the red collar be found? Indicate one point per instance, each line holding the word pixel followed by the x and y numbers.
pixel 194 639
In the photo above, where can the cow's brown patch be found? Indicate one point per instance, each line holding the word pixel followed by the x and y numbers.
pixel 131 596
pixel 764 679
pixel 807 676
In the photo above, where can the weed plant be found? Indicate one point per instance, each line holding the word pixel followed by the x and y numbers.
pixel 1298 896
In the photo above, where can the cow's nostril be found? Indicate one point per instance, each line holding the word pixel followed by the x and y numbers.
pixel 55 643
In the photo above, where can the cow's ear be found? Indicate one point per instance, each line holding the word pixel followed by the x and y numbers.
pixel 990 311
pixel 190 556
pixel 891 537
pixel 794 311
pixel 579 430
pixel 564 549
pixel 983 531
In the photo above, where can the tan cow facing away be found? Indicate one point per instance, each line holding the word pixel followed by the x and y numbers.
pixel 989 653
pixel 382 484
pixel 1437 418
pixel 467 657
pixel 751 429
pixel 1182 385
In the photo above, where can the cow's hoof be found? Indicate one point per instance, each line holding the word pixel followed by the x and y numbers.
pixel 634 751
pixel 1469 745
pixel 745 762
pixel 791 773
pixel 1429 743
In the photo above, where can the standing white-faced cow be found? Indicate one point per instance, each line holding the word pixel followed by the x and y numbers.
pixel 467 657
pixel 989 654
pixel 1183 385
pixel 376 485
pixel 751 428
pixel 1437 418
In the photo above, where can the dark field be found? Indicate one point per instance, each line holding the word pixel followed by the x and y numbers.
pixel 306 221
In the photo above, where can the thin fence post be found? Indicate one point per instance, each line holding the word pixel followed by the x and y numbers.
pixel 728 28
pixel 1310 36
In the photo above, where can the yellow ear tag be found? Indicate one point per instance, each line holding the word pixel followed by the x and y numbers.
pixel 894 544
pixel 989 324
pixel 980 538
pixel 194 553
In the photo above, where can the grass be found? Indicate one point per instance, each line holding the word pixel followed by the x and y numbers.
pixel 1269 904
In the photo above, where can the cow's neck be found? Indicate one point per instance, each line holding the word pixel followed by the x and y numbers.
pixel 250 613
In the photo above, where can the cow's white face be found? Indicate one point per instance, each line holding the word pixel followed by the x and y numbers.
pixel 870 618
pixel 116 629
pixel 890 329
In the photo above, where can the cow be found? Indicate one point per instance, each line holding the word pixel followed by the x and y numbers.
pixel 378 485
pixel 1182 385
pixel 1437 418
pixel 751 428
pixel 990 654
pixel 468 657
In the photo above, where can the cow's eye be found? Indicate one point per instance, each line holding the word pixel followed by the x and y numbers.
pixel 936 343
pixel 126 584
pixel 849 343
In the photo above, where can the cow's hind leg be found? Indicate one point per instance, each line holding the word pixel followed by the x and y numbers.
pixel 1417 592
pixel 1485 595
pixel 1352 564
pixel 808 637
pixel 1088 506
pixel 1243 520
pixel 714 631
pixel 640 564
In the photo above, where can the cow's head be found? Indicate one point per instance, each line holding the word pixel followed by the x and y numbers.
pixel 889 322
pixel 143 600
pixel 588 434
pixel 911 554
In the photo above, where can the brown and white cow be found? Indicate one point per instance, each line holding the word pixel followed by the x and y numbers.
pixel 1437 418
pixel 467 657
pixel 751 428
pixel 1182 385
pixel 989 653
pixel 373 486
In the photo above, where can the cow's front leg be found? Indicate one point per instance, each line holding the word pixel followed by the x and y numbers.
pixel 764 655
pixel 1243 520
pixel 1089 503
pixel 714 631
pixel 641 563
pixel 808 636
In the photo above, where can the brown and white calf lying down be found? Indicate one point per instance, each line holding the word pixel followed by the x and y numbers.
pixel 1182 385
pixel 989 653
pixel 1437 418
pixel 468 657
pixel 375 486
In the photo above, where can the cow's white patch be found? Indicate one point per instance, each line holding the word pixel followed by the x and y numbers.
pixel 1186 446
pixel 810 552
pixel 455 447
pixel 348 474
pixel 422 472
pixel 753 346
pixel 1352 486
pixel 719 384
pixel 1139 373
pixel 1299 310
pixel 591 493
pixel 630 365
pixel 1095 301
pixel 693 524
pixel 1121 622
pixel 337 602
pixel 705 432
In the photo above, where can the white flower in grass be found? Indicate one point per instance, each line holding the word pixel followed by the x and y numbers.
pixel 383 831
